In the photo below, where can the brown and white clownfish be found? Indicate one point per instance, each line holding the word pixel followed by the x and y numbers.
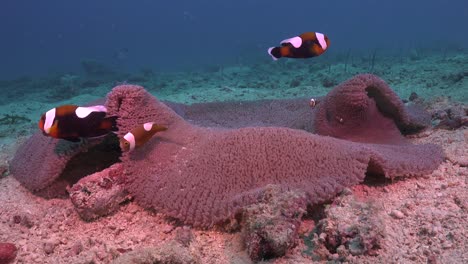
pixel 139 136
pixel 72 122
pixel 306 45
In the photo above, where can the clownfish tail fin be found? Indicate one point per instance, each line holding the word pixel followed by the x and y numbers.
pixel 275 52
pixel 110 124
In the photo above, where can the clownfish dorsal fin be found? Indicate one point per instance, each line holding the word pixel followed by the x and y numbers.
pixel 64 110
pixel 309 36
pixel 153 127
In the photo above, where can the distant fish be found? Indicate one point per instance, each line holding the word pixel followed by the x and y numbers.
pixel 72 122
pixel 139 136
pixel 188 16
pixel 306 45
pixel 121 54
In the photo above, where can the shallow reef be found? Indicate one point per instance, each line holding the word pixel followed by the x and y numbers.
pixel 215 161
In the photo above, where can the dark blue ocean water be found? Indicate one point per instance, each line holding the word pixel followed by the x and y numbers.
pixel 39 37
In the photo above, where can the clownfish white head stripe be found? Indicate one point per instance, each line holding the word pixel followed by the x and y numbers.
pixel 321 40
pixel 49 120
pixel 131 140
pixel 83 112
pixel 295 41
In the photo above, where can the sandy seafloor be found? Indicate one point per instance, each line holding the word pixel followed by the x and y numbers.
pixel 424 219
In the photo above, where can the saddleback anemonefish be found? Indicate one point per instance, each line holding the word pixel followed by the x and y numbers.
pixel 306 45
pixel 72 122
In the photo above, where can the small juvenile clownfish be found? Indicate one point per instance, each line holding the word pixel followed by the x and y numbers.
pixel 306 45
pixel 139 136
pixel 72 122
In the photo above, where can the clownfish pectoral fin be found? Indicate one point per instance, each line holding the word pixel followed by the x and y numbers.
pixel 274 53
pixel 109 124
pixel 72 139
pixel 53 131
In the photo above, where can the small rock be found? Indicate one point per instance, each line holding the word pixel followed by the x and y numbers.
pixel 133 208
pixel 359 233
pixel 442 237
pixel 76 248
pixel 397 214
pixel 346 191
pixel 355 247
pixel 3 171
pixel 167 229
pixel 335 256
pixel 447 245
pixel 34 257
pixel 270 227
pixel 22 243
pixel 306 227
pixel 169 252
pixel 184 235
pixel 413 96
pixel 24 219
pixel 7 252
pixel 440 114
pixel 49 246
pixel 432 259
pixel 323 237
pixel 405 211
pixel 436 228
pixel 464 121
pixel 420 186
pixel 342 251
pixel 100 253
pixel 99 194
